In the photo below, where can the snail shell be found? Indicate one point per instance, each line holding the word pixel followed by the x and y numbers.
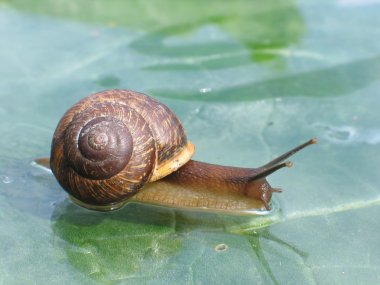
pixel 109 144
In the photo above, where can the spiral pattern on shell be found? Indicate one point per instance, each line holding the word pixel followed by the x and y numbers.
pixel 109 144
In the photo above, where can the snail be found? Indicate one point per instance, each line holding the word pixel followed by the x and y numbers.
pixel 120 146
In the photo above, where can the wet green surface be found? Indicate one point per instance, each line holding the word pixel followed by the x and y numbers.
pixel 248 80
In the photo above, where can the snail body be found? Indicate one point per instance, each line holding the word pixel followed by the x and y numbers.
pixel 110 147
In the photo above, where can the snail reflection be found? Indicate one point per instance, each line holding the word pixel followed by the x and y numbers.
pixel 123 245
pixel 110 145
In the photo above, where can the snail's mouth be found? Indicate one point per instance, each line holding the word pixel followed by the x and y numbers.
pixel 100 208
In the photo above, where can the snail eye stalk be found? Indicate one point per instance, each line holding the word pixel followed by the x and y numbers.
pixel 289 153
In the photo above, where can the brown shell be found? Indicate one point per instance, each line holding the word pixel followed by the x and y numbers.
pixel 109 144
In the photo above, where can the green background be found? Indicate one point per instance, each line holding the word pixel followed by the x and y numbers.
pixel 249 80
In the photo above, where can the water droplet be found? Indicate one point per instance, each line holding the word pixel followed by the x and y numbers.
pixel 221 247
pixel 6 179
pixel 341 134
pixel 205 90
pixel 350 135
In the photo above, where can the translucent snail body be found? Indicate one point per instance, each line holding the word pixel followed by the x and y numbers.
pixel 118 146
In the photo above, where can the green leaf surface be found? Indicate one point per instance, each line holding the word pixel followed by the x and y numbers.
pixel 249 80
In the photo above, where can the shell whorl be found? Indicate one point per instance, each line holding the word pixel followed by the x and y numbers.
pixel 98 148
pixel 109 144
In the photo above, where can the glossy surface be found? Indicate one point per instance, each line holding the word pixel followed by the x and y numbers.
pixel 109 144
pixel 255 78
